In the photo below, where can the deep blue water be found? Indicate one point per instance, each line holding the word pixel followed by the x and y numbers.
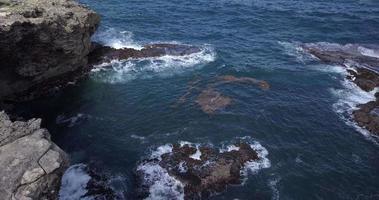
pixel 302 121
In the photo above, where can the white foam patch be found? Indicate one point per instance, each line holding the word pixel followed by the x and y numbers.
pixel 262 162
pixel 122 71
pixel 274 188
pixel 197 154
pixel 160 151
pixel 74 183
pixel 348 100
pixel 161 184
pixel 116 39
pixel 229 148
pixel 294 49
pixel 369 52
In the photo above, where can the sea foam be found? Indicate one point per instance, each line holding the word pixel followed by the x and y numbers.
pixel 121 71
pixel 74 183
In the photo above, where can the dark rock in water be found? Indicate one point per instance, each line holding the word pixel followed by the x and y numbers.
pixel 211 101
pixel 352 54
pixel 362 65
pixel 367 116
pixel 100 54
pixel 363 69
pixel 203 170
pixel 366 79
pixel 43 45
pixel 31 165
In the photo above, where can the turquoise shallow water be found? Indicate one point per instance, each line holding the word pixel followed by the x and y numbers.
pixel 118 117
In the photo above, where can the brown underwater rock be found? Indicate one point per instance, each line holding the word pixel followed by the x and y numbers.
pixel 211 101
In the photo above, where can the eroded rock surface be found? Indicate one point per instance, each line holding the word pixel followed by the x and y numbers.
pixel 203 171
pixel 31 165
pixel 43 44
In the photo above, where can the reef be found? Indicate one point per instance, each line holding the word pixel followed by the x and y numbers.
pixel 203 171
pixel 31 165
pixel 362 67
pixel 210 100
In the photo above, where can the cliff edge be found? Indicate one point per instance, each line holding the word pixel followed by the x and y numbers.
pixel 43 45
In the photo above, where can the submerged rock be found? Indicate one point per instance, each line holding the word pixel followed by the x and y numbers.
pixel 211 101
pixel 201 170
pixel 31 165
pixel 247 80
pixel 44 45
pixel 100 54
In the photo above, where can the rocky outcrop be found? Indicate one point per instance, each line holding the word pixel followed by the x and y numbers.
pixel 362 64
pixel 202 171
pixel 44 44
pixel 31 165
pixel 100 54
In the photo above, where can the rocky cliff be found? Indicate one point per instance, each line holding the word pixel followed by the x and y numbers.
pixel 31 165
pixel 43 44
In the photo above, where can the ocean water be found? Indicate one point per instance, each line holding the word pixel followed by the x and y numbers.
pixel 309 147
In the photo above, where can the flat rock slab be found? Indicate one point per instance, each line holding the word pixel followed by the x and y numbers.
pixel 31 165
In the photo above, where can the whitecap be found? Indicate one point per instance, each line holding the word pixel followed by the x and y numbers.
pixel 74 183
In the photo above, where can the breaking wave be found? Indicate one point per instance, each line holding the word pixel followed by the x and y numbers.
pixel 76 179
pixel 74 183
pixel 116 38
pixel 121 71
pixel 161 184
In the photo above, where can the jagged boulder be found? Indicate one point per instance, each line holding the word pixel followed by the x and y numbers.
pixel 31 165
pixel 43 44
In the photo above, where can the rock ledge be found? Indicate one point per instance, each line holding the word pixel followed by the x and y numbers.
pixel 31 165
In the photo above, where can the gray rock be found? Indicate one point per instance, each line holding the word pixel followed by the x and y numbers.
pixel 31 165
pixel 42 41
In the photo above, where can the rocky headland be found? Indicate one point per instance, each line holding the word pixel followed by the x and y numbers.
pixel 31 165
pixel 362 65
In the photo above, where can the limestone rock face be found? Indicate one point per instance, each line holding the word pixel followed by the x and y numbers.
pixel 31 165
pixel 40 41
